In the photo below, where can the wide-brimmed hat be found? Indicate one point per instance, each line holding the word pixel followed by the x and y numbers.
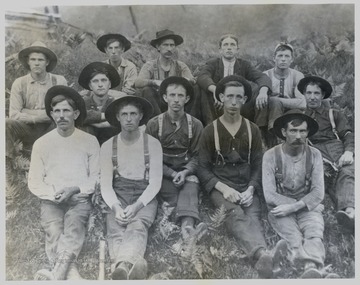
pixel 112 110
pixel 100 67
pixel 102 40
pixel 41 48
pixel 67 92
pixel 166 34
pixel 291 115
pixel 177 80
pixel 220 86
pixel 325 85
pixel 284 44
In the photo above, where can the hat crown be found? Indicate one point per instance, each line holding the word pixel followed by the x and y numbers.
pixel 38 44
pixel 163 33
pixel 283 44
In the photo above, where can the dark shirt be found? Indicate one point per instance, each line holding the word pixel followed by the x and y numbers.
pixel 175 141
pixel 235 150
pixel 93 111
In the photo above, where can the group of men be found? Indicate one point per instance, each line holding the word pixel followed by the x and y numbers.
pixel 165 135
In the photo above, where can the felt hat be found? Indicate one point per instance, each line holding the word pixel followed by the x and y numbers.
pixel 113 109
pixel 291 115
pixel 100 67
pixel 67 92
pixel 220 86
pixel 177 80
pixel 40 48
pixel 166 34
pixel 324 84
pixel 102 40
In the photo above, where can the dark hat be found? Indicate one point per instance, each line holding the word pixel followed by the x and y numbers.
pixel 177 80
pixel 284 44
pixel 41 48
pixel 112 110
pixel 166 34
pixel 102 40
pixel 100 67
pixel 323 84
pixel 67 92
pixel 220 86
pixel 291 115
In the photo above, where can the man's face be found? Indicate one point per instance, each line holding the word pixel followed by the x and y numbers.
pixel 233 99
pixel 314 96
pixel 37 62
pixel 64 115
pixel 295 136
pixel 129 117
pixel 228 48
pixel 283 59
pixel 176 97
pixel 114 51
pixel 100 84
pixel 166 48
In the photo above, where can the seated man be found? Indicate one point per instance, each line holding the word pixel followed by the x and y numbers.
pixel 293 183
pixel 131 174
pixel 228 64
pixel 335 140
pixel 155 71
pixel 99 78
pixel 179 135
pixel 27 117
pixel 114 45
pixel 64 169
pixel 230 156
pixel 285 95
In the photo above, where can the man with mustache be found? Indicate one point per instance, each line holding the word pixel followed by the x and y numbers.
pixel 293 183
pixel 155 71
pixel 27 117
pixel 335 140
pixel 64 170
pixel 179 135
pixel 230 156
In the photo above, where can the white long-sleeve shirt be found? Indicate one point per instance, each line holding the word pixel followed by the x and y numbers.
pixel 131 165
pixel 58 162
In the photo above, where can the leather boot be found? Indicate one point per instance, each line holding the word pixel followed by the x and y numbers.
pixel 60 269
pixel 73 272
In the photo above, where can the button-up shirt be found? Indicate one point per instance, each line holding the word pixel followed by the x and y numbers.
pixel 128 74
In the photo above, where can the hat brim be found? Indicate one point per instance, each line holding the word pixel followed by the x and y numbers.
pixel 220 86
pixel 50 55
pixel 85 75
pixel 101 42
pixel 284 119
pixel 177 39
pixel 176 80
pixel 326 86
pixel 113 109
pixel 68 92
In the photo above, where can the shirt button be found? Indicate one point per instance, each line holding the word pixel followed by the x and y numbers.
pixel 233 164
pixel 233 148
pixel 175 141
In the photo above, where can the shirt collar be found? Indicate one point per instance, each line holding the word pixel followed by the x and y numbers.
pixel 43 82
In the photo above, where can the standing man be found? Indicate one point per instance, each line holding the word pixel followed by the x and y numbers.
pixel 99 78
pixel 131 174
pixel 64 169
pixel 114 45
pixel 335 140
pixel 228 64
pixel 179 135
pixel 293 182
pixel 285 95
pixel 155 71
pixel 230 171
pixel 27 117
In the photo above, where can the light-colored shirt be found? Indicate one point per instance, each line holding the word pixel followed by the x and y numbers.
pixel 131 165
pixel 128 74
pixel 26 93
pixel 228 67
pixel 58 162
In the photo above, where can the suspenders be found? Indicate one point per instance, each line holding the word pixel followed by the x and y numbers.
pixel 146 156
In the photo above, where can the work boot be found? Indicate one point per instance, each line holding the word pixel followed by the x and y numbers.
pixel 60 269
pixel 279 252
pixel 138 270
pixel 121 271
pixel 264 265
pixel 73 273
pixel 311 271
pixel 346 220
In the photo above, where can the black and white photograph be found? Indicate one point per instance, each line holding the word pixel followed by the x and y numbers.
pixel 179 141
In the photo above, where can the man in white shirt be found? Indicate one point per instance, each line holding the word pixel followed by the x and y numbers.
pixel 131 175
pixel 64 170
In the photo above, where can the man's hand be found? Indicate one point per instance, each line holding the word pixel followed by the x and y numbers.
pixel 131 210
pixel 65 193
pixel 119 214
pixel 262 98
pixel 247 196
pixel 346 158
pixel 156 83
pixel 287 209
pixel 231 194
pixel 179 178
